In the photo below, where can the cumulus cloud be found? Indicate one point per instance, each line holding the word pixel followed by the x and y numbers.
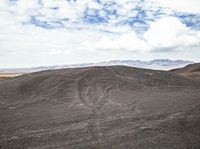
pixel 125 41
pixel 189 6
pixel 198 35
pixel 168 33
pixel 54 52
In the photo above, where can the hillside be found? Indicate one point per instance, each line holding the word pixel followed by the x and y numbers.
pixel 113 107
pixel 8 75
pixel 191 71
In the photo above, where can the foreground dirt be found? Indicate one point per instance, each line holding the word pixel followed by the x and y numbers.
pixel 114 107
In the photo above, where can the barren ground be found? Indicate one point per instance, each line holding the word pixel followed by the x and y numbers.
pixel 113 107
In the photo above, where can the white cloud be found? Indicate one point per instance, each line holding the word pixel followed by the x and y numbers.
pixel 128 41
pixel 169 32
pixel 190 6
pixel 166 33
pixel 54 52
pixel 26 5
pixel 198 35
pixel 64 10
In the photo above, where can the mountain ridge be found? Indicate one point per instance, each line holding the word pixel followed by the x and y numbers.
pixel 158 64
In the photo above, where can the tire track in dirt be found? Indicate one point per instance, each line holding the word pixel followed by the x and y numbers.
pixel 93 95
pixel 94 91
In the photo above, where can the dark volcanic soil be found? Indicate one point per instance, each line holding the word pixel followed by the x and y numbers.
pixel 191 71
pixel 114 107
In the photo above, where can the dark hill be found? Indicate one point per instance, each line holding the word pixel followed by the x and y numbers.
pixel 191 71
pixel 100 107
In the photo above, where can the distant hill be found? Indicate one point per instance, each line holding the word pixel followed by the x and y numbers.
pixel 107 107
pixel 158 64
pixel 191 71
pixel 8 75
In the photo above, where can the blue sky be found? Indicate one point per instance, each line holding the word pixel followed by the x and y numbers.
pixel 53 32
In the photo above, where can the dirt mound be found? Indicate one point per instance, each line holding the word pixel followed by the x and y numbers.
pixel 191 71
pixel 100 107
pixel 188 69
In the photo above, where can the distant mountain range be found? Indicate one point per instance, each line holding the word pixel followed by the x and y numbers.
pixel 158 64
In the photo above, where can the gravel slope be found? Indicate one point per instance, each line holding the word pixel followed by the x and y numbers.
pixel 114 107
pixel 191 71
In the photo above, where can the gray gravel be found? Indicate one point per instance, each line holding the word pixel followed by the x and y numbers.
pixel 114 107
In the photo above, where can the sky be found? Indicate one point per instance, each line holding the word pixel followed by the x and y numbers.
pixel 57 32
